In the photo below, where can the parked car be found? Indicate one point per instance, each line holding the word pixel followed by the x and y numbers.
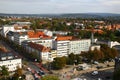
pixel 99 67
pixel 95 62
pixel 94 72
pixel 29 69
pixel 35 76
pixel 41 73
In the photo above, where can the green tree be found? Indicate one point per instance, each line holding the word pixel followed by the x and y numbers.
pixel 59 62
pixel 33 55
pixel 49 77
pixel 73 59
pixel 4 71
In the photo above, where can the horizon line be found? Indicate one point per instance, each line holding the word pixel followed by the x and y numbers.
pixel 61 13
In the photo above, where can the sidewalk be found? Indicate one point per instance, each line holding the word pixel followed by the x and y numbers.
pixel 40 66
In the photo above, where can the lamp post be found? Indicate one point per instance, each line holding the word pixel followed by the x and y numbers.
pixel 75 61
pixel 74 69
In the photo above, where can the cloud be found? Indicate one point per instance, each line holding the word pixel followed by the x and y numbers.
pixel 59 6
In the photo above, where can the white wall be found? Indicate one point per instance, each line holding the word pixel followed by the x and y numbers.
pixel 95 47
pixel 77 46
pixel 113 43
pixel 12 64
pixel 62 48
pixel 6 29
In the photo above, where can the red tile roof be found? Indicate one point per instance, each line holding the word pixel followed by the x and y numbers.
pixel 37 34
pixel 96 31
pixel 39 47
pixel 3 49
pixel 62 38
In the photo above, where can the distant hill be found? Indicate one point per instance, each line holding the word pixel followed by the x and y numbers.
pixel 91 15
pixel 73 15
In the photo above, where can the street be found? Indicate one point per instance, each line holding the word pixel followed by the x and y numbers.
pixel 30 64
pixel 103 75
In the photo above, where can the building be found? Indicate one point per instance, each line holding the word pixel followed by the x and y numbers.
pixel 15 27
pixel 62 47
pixel 60 32
pixel 52 55
pixel 77 46
pixel 93 47
pixel 9 60
pixel 113 43
pixel 47 32
pixel 45 42
pixel 19 37
pixel 6 29
pixel 41 51
pixel 67 44
pixel 10 35
pixel 61 44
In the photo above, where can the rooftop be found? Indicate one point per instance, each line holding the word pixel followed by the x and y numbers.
pixel 3 49
pixel 39 47
pixel 62 38
pixel 37 34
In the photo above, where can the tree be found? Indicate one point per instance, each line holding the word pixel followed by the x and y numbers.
pixel 105 53
pixel 4 71
pixel 59 62
pixel 18 73
pixel 49 77
pixel 109 53
pixel 71 59
pixel 33 55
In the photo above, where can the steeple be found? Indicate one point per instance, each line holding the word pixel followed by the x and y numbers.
pixel 92 37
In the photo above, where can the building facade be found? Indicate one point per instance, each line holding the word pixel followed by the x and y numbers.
pixel 10 61
pixel 77 46
pixel 19 37
pixel 62 48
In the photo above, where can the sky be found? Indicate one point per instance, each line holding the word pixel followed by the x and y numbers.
pixel 59 6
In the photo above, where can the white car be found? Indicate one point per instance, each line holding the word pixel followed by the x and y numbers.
pixel 99 79
pixel 94 72
pixel 29 69
pixel 95 62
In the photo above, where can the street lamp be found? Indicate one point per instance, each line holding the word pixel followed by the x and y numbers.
pixel 75 61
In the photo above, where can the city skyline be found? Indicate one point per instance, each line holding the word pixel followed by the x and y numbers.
pixel 59 6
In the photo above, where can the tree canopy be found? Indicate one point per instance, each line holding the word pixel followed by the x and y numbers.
pixel 59 62
pixel 105 53
pixel 50 77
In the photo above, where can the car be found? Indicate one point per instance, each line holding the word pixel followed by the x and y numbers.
pixel 99 67
pixel 29 69
pixel 95 62
pixel 99 79
pixel 37 71
pixel 41 73
pixel 94 72
pixel 35 76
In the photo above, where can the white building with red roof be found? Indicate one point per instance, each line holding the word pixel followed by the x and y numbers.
pixel 9 60
pixel 41 51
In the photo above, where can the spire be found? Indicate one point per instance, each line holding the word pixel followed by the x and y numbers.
pixel 92 37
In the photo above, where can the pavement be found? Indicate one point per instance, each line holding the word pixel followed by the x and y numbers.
pixel 70 72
